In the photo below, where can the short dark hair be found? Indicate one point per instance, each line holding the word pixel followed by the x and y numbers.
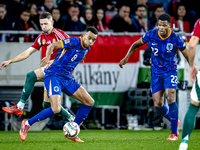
pixel 74 5
pixel 25 10
pixel 3 6
pixel 138 6
pixel 158 6
pixel 92 29
pixel 120 6
pixel 45 15
pixel 164 17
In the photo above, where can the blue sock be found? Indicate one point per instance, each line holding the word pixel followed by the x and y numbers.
pixel 164 112
pixel 82 113
pixel 41 116
pixel 173 112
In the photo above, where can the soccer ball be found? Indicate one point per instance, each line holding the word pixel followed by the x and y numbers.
pixel 71 129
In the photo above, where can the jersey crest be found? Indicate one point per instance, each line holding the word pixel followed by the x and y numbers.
pixel 43 41
pixel 169 47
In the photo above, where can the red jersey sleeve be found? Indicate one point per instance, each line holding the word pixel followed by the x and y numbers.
pixel 196 29
pixel 37 44
pixel 63 33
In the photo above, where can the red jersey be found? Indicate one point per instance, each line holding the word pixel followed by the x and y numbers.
pixel 44 40
pixel 196 29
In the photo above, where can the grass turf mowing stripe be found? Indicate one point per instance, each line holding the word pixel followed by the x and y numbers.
pixel 96 140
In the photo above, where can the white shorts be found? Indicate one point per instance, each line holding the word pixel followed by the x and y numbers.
pixel 195 93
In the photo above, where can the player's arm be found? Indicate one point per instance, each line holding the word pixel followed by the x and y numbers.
pixel 20 57
pixel 192 49
pixel 191 54
pixel 131 50
pixel 50 48
pixel 185 54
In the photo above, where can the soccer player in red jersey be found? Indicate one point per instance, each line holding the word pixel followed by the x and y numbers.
pixel 47 37
pixel 190 117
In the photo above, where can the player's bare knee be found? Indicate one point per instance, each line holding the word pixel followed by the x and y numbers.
pixel 56 109
pixel 90 102
pixel 158 104
pixel 170 97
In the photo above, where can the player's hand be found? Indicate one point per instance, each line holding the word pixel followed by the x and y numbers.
pixel 5 64
pixel 193 73
pixel 49 64
pixel 123 62
pixel 45 61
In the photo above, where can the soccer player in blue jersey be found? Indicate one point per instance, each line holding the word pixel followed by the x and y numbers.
pixel 164 44
pixel 58 77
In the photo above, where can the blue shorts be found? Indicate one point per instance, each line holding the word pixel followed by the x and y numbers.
pixel 169 80
pixel 54 85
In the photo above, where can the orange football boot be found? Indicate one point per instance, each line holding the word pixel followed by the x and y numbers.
pixel 172 137
pixel 13 110
pixel 76 139
pixel 178 127
pixel 23 130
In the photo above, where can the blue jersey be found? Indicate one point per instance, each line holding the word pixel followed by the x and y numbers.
pixel 68 57
pixel 163 55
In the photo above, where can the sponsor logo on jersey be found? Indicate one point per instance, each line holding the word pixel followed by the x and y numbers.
pixel 56 88
pixel 66 41
pixel 49 42
pixel 43 41
pixel 169 47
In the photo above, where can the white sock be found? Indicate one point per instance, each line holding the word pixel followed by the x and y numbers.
pixel 20 105
pixel 26 123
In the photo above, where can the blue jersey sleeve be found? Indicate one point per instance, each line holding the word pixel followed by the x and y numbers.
pixel 145 38
pixel 180 43
pixel 68 43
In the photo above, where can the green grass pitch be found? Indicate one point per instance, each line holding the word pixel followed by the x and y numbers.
pixel 96 140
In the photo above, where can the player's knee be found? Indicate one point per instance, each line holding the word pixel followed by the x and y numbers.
pixel 56 110
pixel 170 97
pixel 158 104
pixel 90 102
pixel 31 76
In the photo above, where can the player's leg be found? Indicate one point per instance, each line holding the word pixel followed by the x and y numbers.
pixel 170 86
pixel 63 113
pixel 157 90
pixel 88 102
pixel 189 124
pixel 82 95
pixel 54 93
pixel 31 78
pixel 173 110
pixel 73 89
pixel 160 106
pixel 190 117
pixel 54 109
